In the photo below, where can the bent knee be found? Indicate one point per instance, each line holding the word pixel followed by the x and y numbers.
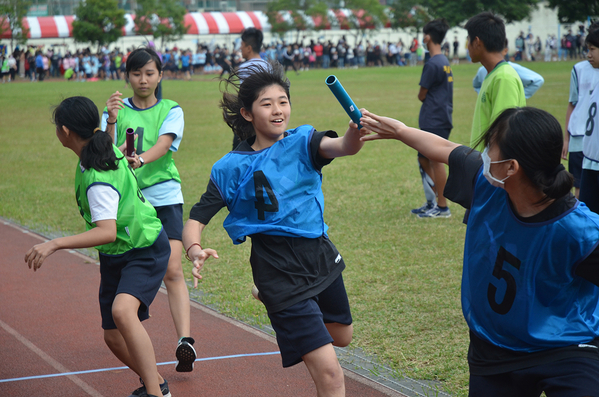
pixel 333 378
pixel 173 274
pixel 342 334
pixel 111 338
pixel 342 341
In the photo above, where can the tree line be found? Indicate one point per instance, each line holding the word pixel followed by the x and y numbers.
pixel 100 22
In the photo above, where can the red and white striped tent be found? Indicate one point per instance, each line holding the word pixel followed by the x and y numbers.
pixel 200 23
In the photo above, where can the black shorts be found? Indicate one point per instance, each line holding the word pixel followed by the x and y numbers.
pixel 171 217
pixel 301 328
pixel 442 132
pixel 138 272
pixel 576 376
pixel 575 166
pixel 589 189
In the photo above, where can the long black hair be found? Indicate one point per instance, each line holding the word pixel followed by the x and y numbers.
pixel 256 78
pixel 80 115
pixel 139 58
pixel 534 138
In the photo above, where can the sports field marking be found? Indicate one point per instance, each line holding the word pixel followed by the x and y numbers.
pixel 52 362
pixel 121 368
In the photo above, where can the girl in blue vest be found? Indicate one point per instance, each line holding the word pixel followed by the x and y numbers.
pixel 159 126
pixel 122 225
pixel 530 281
pixel 271 185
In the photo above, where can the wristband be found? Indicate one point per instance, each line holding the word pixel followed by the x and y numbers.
pixel 187 251
pixel 109 123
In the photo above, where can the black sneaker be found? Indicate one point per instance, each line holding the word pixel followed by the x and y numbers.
pixel 142 392
pixel 186 355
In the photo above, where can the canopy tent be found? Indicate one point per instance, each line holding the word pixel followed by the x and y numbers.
pixel 199 23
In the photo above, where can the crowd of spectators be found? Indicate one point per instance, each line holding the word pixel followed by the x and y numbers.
pixel 36 64
pixel 569 47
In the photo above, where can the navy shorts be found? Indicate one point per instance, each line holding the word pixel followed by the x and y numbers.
pixel 171 217
pixel 442 132
pixel 578 376
pixel 575 166
pixel 138 272
pixel 301 327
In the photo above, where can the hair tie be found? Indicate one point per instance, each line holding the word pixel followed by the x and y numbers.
pixel 97 129
pixel 558 169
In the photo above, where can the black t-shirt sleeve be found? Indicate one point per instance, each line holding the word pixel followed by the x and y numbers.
pixel 317 160
pixel 464 165
pixel 589 268
pixel 210 203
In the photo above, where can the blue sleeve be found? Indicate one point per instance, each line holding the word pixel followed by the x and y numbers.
pixel 477 81
pixel 573 99
pixel 174 123
pixel 531 80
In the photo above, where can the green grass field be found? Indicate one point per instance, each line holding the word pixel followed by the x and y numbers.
pixel 403 273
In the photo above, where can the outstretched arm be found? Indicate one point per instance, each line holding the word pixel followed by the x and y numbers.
pixel 103 233
pixel 192 237
pixel 430 145
pixel 347 145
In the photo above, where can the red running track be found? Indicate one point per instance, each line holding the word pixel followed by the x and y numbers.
pixel 51 341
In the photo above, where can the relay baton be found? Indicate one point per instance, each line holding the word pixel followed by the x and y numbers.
pixel 130 142
pixel 350 107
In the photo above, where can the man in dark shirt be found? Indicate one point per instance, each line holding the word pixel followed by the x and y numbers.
pixel 436 95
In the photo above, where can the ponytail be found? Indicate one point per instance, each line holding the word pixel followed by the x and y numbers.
pixel 80 115
pixel 98 153
pixel 556 183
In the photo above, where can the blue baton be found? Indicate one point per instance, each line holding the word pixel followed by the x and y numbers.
pixel 350 107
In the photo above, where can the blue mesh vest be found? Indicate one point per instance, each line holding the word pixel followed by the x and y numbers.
pixel 519 291
pixel 273 191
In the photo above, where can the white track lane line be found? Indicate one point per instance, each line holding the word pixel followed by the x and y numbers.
pixel 121 368
pixel 52 362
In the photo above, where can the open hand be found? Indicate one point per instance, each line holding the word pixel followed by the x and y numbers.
pixel 38 253
pixel 383 127
pixel 198 256
pixel 113 105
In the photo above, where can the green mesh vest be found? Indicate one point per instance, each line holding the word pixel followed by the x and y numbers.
pixel 146 123
pixel 136 225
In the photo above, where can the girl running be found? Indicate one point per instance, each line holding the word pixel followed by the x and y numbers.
pixel 529 285
pixel 158 124
pixel 123 226
pixel 271 185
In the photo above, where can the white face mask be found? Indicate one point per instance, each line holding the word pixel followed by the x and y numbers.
pixel 487 169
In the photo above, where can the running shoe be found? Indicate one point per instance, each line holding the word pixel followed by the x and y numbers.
pixel 186 355
pixel 436 212
pixel 142 392
pixel 426 207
